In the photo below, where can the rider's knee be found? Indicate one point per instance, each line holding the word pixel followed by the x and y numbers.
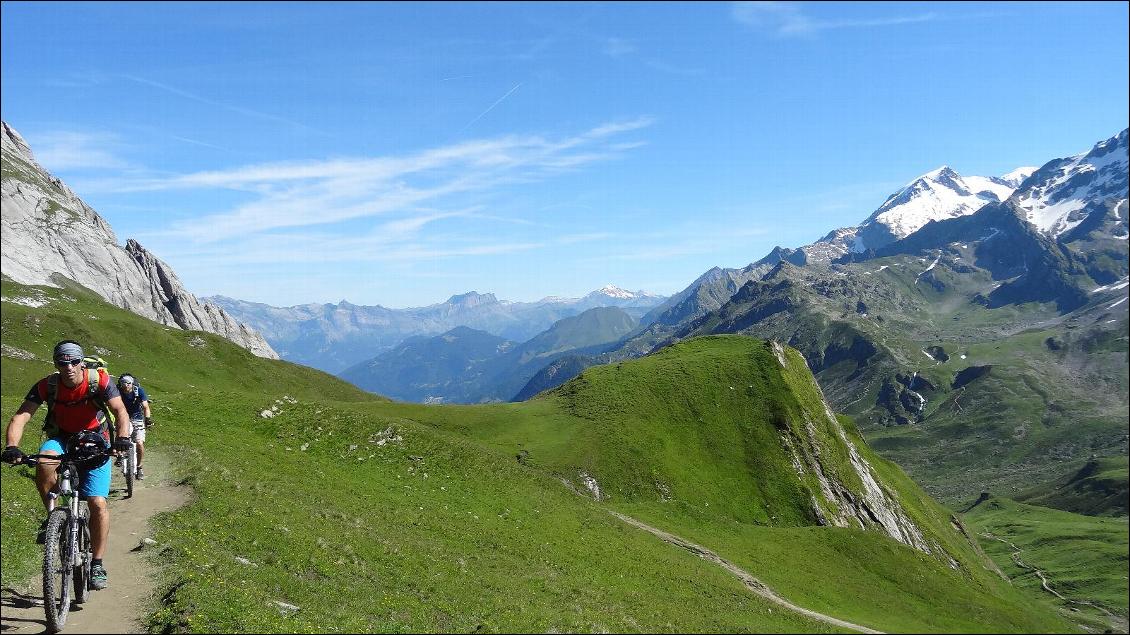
pixel 45 472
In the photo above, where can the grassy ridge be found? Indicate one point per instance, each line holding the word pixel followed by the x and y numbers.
pixel 372 515
pixel 678 460
pixel 1055 396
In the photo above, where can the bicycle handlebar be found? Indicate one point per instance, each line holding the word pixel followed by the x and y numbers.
pixel 34 459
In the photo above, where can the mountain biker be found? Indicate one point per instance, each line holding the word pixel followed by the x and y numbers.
pixel 74 409
pixel 137 404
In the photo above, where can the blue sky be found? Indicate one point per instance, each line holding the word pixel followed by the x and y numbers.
pixel 400 153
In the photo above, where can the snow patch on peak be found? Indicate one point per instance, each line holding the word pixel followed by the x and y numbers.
pixel 936 195
pixel 1017 176
pixel 1055 203
pixel 614 291
pixel 940 174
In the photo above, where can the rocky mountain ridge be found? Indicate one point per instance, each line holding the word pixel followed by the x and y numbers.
pixel 48 231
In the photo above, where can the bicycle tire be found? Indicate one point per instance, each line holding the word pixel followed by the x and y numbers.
pixel 57 570
pixel 130 469
pixel 85 554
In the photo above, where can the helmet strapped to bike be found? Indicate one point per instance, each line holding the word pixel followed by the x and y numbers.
pixel 88 449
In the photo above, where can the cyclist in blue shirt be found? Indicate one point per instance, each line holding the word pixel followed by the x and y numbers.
pixel 137 404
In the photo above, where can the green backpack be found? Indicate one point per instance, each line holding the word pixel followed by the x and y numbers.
pixel 93 381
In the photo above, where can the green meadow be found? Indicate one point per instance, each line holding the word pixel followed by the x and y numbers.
pixel 1083 558
pixel 370 515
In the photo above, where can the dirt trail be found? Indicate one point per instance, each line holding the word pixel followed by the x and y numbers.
pixel 118 608
pixel 752 583
pixel 1118 623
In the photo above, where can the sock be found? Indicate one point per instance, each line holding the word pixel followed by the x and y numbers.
pixel 96 562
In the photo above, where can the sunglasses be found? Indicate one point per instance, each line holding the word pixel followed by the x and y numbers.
pixel 62 363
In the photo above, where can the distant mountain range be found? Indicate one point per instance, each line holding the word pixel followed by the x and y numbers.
pixel 334 337
pixel 465 365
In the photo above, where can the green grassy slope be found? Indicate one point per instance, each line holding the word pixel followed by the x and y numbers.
pixel 373 515
pixel 1084 558
pixel 706 463
pixel 1056 393
pixel 1099 488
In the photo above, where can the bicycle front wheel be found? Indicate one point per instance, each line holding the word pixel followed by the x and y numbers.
pixel 85 555
pixel 57 570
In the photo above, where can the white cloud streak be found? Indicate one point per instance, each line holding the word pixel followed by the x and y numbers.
pixel 491 107
pixel 403 189
pixel 200 143
pixel 65 150
pixel 788 19
pixel 211 102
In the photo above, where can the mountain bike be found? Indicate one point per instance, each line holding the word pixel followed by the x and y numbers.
pixel 67 548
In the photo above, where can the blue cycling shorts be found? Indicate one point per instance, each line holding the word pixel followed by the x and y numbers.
pixel 94 482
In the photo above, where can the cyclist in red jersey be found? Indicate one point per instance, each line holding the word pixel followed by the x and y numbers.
pixel 75 409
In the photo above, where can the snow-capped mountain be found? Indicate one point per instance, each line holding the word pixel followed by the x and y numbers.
pixel 934 196
pixel 608 295
pixel 611 294
pixel 1065 192
pixel 614 291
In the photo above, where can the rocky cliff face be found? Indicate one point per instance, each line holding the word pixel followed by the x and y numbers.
pixel 49 231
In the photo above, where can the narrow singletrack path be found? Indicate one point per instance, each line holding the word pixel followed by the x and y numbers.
pixel 118 608
pixel 751 583
pixel 1118 623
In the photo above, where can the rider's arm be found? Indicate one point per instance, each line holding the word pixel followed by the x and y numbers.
pixel 145 409
pixel 18 421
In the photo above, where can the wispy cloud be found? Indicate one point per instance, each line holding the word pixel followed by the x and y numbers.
pixel 789 19
pixel 67 150
pixel 399 242
pixel 618 47
pixel 491 107
pixel 211 102
pixel 403 189
pixel 200 143
pixel 572 239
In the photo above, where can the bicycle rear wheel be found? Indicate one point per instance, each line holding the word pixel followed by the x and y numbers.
pixel 57 570
pixel 129 468
pixel 85 555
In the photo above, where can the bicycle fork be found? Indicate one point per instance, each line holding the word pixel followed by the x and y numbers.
pixel 70 546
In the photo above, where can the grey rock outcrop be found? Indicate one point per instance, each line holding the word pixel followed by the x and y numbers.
pixel 48 231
